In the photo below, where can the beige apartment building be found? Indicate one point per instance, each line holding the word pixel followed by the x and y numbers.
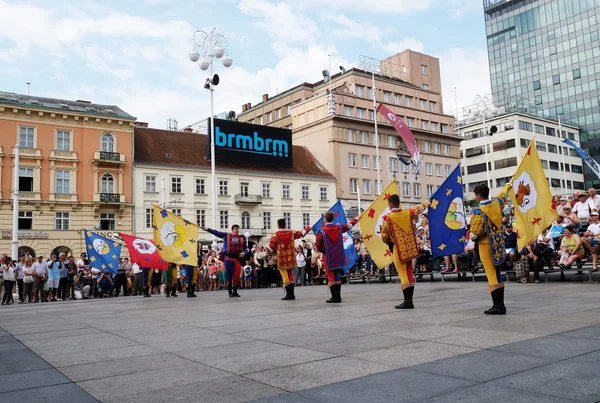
pixel 335 121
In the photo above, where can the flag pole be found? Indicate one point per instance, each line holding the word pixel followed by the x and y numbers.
pixel 378 166
pixel 163 193
pixel 562 154
pixel 358 196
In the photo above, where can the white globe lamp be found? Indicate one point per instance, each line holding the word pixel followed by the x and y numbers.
pixel 218 52
pixel 194 55
pixel 227 61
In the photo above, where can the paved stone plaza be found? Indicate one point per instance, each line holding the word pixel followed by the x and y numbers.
pixel 258 348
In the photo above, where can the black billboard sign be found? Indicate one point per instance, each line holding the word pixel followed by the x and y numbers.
pixel 251 144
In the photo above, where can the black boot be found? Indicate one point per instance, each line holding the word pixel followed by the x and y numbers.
pixel 147 292
pixel 174 291
pixel 193 288
pixel 332 290
pixel 230 289
pixel 338 293
pixel 235 293
pixel 167 291
pixel 289 293
pixel 408 296
pixel 498 308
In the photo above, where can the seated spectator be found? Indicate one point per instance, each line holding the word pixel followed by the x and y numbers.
pixel 542 250
pixel 424 245
pixel 588 239
pixel 82 284
pixel 584 207
pixel 105 284
pixel 571 248
pixel 510 242
pixel 466 258
pixel 570 217
pixel 594 197
pixel 563 202
pixel 557 229
pixel 447 262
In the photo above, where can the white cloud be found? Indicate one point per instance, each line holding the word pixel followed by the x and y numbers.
pixel 407 43
pixel 378 6
pixel 343 27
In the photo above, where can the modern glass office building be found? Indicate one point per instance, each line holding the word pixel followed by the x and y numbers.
pixel 548 52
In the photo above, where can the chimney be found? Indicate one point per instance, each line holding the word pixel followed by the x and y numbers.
pixel 141 124
pixel 249 105
pixel 188 130
pixel 244 107
pixel 265 97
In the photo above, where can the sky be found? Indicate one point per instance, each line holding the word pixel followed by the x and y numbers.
pixel 134 53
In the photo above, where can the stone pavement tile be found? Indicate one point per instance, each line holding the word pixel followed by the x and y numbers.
pixel 228 351
pixel 11 345
pixel 21 361
pixel 228 389
pixel 66 343
pixel 591 332
pixel 354 322
pixel 165 334
pixel 105 369
pixel 56 334
pixel 481 338
pixel 486 393
pixel 413 354
pixel 359 344
pixel 31 380
pixel 144 381
pixel 518 325
pixel 317 373
pixel 267 360
pixel 48 394
pixel 282 331
pixel 41 328
pixel 449 318
pixel 63 359
pixel 575 379
pixel 439 332
pixel 385 326
pixel 286 398
pixel 315 337
pixel 482 366
pixel 4 333
pixel 402 385
pixel 177 345
pixel 554 347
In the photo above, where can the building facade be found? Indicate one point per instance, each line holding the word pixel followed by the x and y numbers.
pixel 512 134
pixel 250 195
pixel 548 52
pixel 336 122
pixel 75 172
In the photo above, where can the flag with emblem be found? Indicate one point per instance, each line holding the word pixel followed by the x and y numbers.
pixel 531 197
pixel 339 217
pixel 446 213
pixel 371 221
pixel 102 252
pixel 144 252
pixel 175 237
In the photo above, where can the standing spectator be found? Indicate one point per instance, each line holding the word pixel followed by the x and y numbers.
pixel 247 270
pixel 71 271
pixel 595 197
pixel 83 263
pixel 138 289
pixel 19 277
pixel 2 277
pixel 260 267
pixel 63 273
pixel 8 269
pixel 28 281
pixel 53 277
pixel 121 277
pixel 40 274
pixel 308 255
pixel 300 271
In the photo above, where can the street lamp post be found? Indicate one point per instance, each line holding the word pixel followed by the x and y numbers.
pixel 485 106
pixel 206 48
pixel 15 234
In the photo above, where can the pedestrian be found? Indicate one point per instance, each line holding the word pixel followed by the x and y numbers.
pixel 71 272
pixel 28 280
pixel 300 272
pixel 53 277
pixel 40 274
pixel 8 270
pixel 19 277
pixel 138 288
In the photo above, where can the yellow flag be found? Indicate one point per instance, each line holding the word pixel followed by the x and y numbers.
pixel 371 221
pixel 531 198
pixel 176 238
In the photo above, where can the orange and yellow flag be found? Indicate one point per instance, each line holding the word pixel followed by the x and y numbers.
pixel 371 221
pixel 531 198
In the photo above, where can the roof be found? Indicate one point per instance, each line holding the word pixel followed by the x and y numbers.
pixel 189 149
pixel 83 107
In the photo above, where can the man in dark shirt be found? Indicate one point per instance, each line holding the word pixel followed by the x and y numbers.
pixel 510 242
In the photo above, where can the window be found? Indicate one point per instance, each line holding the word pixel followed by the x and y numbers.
pixel 63 140
pixel 360 113
pixel 428 168
pixel 393 165
pixel 417 190
pixel 576 169
pixel 244 189
pixel 576 74
pixel 175 184
pixel 149 218
pixel 405 169
pixel 246 220
pixel 410 122
pixel 224 219
pixel 288 219
pixel 62 182
pixel 406 189
pixel 26 137
pixel 150 183
pixel 539 129
pixel 365 161
pixel 571 136
pixel 277 114
pixel 366 186
pixel 286 191
pixel 259 120
pixel 387 96
pixel 540 146
pixel 422 104
pixel 424 124
pixel 544 164
pixel 525 143
pixel 107 184
pixel 555 183
pixel 376 163
pixel 26 179
pixel 267 220
pixel 505 163
pixel 502 181
pixel 347 110
pixel 556 79
pixel 434 127
pixel 360 90
pixel 107 221
pixel 504 145
pixel 353 185
pixel 323 193
pixel 268 117
pixel 201 218
pixel 352 160
pixel 436 148
pixel 378 187
pixel 446 149
pixel 371 114
pixel 477 168
pixel 370 93
pixel 554 166
pixel 577 185
pixel 266 190
pixel 351 136
pixel 200 187
pixel 223 188
pixel 438 169
pixel 427 146
pixel 305 220
pixel 391 141
pixel 429 190
pixel 364 138
pixel 550 132
pixel 176 211
pixel 305 192
pixel 552 148
pixel 432 106
pixel 397 99
pixel 425 86
pixel 525 126
pixel 448 170
pixel 25 220
pixel 572 153
pixel 424 70
pixel 108 143
pixel 408 100
pixel 288 110
pixel 536 85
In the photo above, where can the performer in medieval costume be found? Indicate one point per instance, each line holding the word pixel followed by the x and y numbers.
pixel 235 247
pixel 146 277
pixel 282 242
pixel 330 242
pixel 486 231
pixel 171 280
pixel 191 274
pixel 398 232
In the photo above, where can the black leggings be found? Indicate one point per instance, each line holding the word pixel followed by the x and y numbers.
pixel 8 291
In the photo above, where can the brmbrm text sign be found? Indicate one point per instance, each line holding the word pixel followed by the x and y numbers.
pixel 246 143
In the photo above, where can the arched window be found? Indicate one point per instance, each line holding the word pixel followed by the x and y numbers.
pixel 108 143
pixel 26 251
pixel 245 220
pixel 108 184
pixel 62 249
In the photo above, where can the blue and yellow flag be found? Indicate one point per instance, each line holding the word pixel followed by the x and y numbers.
pixel 447 225
pixel 103 253
pixel 176 238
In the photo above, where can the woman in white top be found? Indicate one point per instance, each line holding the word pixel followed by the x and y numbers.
pixel 300 271
pixel 8 270
pixel 27 284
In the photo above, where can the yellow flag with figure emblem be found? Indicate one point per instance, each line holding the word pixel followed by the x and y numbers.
pixel 176 238
pixel 531 197
pixel 371 221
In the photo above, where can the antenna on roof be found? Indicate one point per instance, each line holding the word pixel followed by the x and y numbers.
pixel 172 124
pixel 28 85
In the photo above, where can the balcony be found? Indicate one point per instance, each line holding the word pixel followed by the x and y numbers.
pixel 109 157
pixel 109 198
pixel 248 199
pixel 60 155
pixel 259 232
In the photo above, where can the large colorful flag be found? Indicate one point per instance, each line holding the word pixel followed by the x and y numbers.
pixel 371 221
pixel 591 163
pixel 404 132
pixel 339 217
pixel 531 197
pixel 102 252
pixel 144 252
pixel 447 225
pixel 176 238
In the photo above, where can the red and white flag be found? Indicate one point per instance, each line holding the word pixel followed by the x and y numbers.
pixel 404 132
pixel 144 252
